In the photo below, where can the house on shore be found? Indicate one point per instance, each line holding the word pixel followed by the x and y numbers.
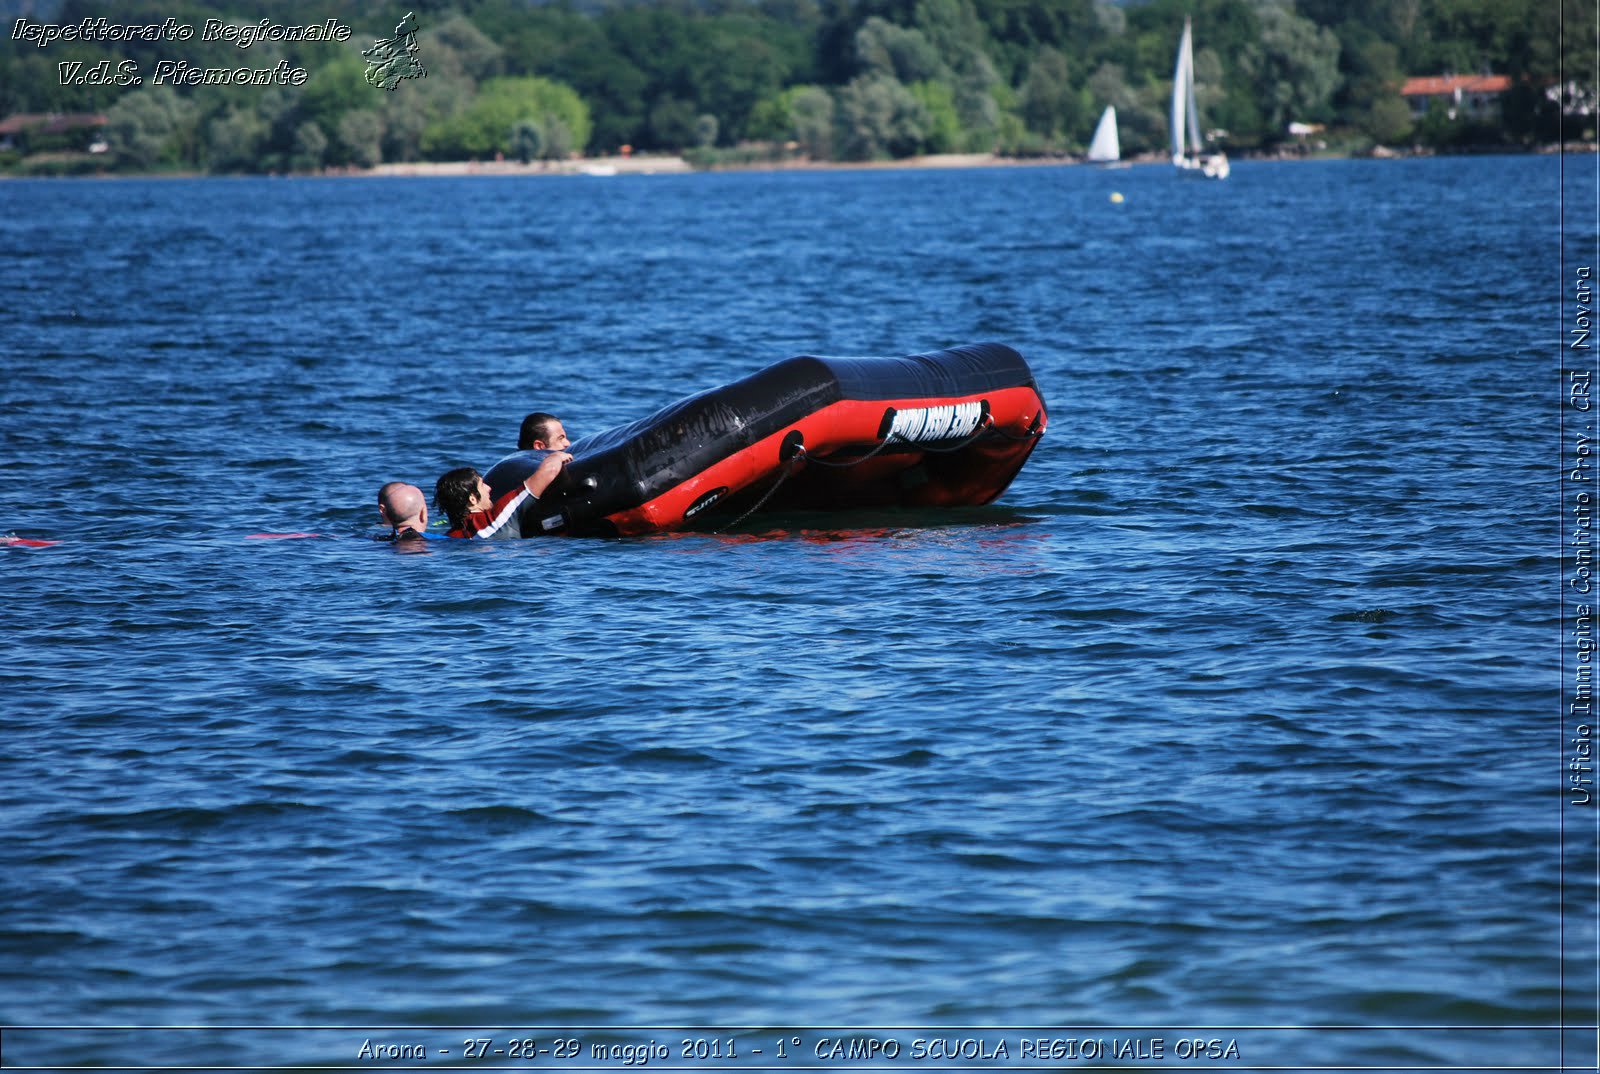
pixel 1475 97
pixel 78 130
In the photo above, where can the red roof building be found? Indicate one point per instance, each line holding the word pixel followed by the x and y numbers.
pixel 49 122
pixel 1472 96
pixel 35 123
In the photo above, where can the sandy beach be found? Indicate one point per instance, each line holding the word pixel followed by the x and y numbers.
pixel 668 165
pixel 639 164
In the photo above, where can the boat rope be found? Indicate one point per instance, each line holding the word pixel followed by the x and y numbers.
pixel 986 425
pixel 1032 432
pixel 783 475
pixel 885 442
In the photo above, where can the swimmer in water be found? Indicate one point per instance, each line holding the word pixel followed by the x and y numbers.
pixel 463 495
pixel 542 432
pixel 405 509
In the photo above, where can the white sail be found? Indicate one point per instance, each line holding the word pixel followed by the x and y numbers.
pixel 1187 145
pixel 1196 145
pixel 1182 91
pixel 1105 147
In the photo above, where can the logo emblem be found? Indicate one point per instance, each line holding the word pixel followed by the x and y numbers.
pixel 391 59
pixel 705 501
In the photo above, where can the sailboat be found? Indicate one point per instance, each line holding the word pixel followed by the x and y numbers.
pixel 1104 148
pixel 1188 150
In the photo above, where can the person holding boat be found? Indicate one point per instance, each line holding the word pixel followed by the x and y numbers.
pixel 463 495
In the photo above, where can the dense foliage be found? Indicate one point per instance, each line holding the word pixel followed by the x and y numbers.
pixel 830 79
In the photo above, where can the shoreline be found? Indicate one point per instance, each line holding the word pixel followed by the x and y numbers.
pixel 678 165
pixel 615 165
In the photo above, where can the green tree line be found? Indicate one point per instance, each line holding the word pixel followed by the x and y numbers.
pixel 831 79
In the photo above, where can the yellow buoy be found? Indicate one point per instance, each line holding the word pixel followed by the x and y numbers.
pixel 1116 198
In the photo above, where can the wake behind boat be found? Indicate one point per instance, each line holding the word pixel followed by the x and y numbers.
pixel 1188 148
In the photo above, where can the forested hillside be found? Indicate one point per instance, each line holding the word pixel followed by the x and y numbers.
pixel 828 79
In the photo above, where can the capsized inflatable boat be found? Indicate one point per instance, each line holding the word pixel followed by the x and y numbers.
pixel 946 428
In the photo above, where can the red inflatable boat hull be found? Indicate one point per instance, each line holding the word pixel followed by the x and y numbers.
pixel 946 428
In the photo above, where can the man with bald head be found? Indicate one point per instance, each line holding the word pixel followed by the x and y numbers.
pixel 405 509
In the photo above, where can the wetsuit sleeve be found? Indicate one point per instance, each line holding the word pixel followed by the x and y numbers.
pixel 505 517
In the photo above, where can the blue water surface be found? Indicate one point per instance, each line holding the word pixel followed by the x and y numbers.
pixel 1235 710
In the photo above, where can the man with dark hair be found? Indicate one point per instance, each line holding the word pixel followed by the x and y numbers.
pixel 542 432
pixel 405 510
pixel 463 496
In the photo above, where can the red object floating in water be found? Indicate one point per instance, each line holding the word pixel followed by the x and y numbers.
pixel 941 429
pixel 26 542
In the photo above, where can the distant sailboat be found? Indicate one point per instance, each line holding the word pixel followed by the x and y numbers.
pixel 1187 146
pixel 1104 148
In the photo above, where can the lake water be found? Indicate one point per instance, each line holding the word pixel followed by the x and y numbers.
pixel 1236 716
